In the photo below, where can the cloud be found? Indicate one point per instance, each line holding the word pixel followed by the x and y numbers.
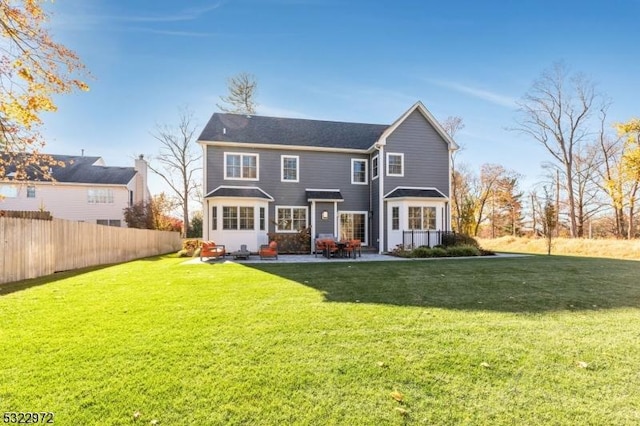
pixel 485 95
pixel 189 14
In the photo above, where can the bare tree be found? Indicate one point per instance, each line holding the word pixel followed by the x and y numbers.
pixel 452 125
pixel 241 97
pixel 556 112
pixel 177 162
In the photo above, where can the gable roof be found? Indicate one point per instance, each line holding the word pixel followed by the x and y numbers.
pixel 81 169
pixel 419 106
pixel 257 129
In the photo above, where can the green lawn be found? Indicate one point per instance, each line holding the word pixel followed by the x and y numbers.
pixel 534 340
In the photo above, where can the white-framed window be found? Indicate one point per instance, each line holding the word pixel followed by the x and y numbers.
pixel 289 168
pixel 238 218
pixel 395 164
pixel 291 218
pixel 374 167
pixel 8 191
pixel 31 191
pixel 100 196
pixel 241 166
pixel 359 171
pixel 353 226
pixel 422 217
pixel 395 218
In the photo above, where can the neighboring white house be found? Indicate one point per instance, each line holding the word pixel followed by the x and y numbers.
pixel 85 190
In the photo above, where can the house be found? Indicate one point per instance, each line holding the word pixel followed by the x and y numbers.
pixel 352 180
pixel 83 189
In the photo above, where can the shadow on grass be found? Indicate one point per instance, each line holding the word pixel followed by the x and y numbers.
pixel 14 287
pixel 528 284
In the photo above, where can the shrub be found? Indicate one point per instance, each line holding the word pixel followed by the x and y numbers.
pixel 422 252
pixel 461 251
pixel 455 239
pixel 400 251
pixel 438 252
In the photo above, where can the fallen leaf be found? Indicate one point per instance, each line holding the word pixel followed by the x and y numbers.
pixel 154 422
pixel 381 364
pixel 136 414
pixel 582 364
pixel 485 365
pixel 397 396
pixel 402 411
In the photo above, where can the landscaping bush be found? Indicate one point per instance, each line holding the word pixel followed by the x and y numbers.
pixel 189 248
pixel 439 252
pixel 461 251
pixel 455 239
pixel 401 251
pixel 421 252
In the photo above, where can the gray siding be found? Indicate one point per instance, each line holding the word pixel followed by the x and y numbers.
pixel 426 155
pixel 321 170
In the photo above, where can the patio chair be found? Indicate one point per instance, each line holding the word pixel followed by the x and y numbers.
pixel 209 249
pixel 269 250
pixel 330 248
pixel 320 246
pixel 356 247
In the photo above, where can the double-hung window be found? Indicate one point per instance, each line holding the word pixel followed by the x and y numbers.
pixel 100 196
pixel 358 171
pixel 290 166
pixel 395 164
pixel 423 218
pixel 240 166
pixel 234 217
pixel 374 167
pixel 291 218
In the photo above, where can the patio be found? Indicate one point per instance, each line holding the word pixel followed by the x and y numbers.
pixel 309 258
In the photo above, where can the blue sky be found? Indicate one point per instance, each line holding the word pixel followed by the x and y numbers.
pixel 361 61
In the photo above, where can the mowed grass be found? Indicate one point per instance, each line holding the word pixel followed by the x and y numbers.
pixel 531 340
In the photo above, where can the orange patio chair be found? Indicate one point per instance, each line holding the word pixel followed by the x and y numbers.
pixel 209 249
pixel 354 246
pixel 269 250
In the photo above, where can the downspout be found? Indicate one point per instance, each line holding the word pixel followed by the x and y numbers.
pixel 381 215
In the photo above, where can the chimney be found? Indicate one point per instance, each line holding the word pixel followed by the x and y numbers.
pixel 142 189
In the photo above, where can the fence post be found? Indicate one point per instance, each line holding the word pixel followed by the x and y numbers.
pixel 412 233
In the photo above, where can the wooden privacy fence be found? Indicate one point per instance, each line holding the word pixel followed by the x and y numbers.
pixel 31 248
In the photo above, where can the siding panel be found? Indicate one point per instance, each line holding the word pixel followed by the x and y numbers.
pixel 426 155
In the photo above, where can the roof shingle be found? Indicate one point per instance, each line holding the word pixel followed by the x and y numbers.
pixel 257 129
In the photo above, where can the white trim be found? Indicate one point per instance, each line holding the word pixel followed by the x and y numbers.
pixel 335 219
pixel 291 231
pixel 366 171
pixel 242 154
pixel 377 159
pixel 419 106
pixel 381 212
pixel 286 156
pixel 258 145
pixel 319 189
pixel 241 187
pixel 433 188
pixel 398 154
pixel 313 222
